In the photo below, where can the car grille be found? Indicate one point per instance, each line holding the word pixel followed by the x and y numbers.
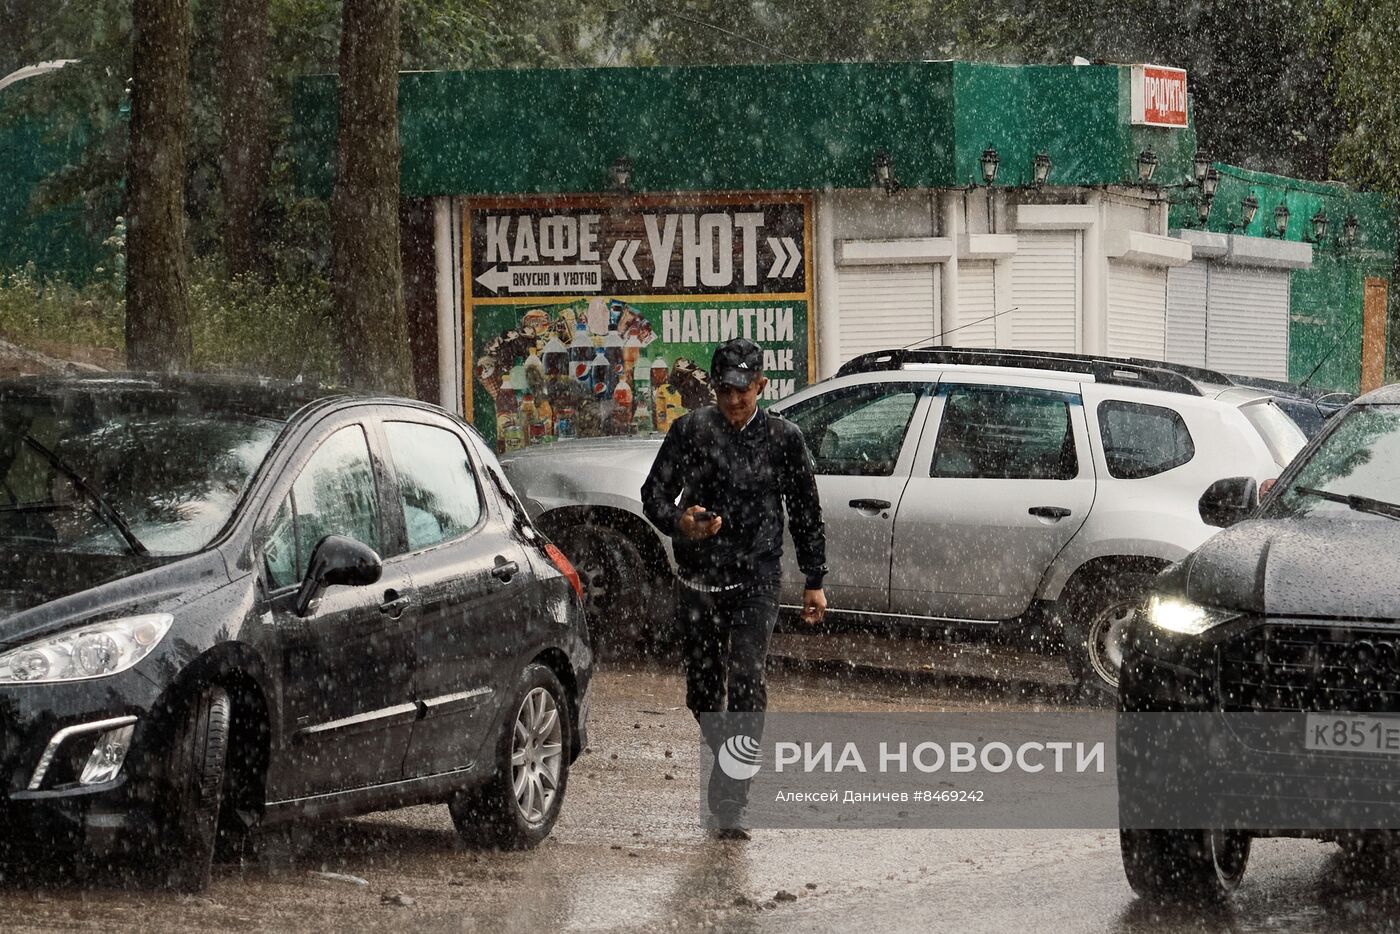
pixel 1324 668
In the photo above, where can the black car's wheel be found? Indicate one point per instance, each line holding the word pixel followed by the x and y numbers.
pixel 1095 618
pixel 192 781
pixel 621 594
pixel 517 807
pixel 1184 865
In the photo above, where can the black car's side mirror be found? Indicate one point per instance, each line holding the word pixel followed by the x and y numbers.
pixel 338 560
pixel 1228 501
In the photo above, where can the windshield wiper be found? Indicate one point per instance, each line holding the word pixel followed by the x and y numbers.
pixel 1357 503
pixel 104 508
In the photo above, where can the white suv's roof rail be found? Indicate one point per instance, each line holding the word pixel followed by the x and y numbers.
pixel 1103 369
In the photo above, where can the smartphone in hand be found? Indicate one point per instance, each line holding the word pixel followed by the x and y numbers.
pixel 705 515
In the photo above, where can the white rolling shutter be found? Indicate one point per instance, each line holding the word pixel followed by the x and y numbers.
pixel 1137 311
pixel 1045 291
pixel 977 305
pixel 1186 314
pixel 884 307
pixel 1247 321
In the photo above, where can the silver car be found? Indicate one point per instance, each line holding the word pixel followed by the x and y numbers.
pixel 960 490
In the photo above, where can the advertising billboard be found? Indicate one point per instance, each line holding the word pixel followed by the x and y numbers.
pixel 593 317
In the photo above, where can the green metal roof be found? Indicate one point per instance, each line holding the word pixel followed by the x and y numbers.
pixel 749 128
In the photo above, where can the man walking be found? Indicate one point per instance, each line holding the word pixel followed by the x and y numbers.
pixel 718 487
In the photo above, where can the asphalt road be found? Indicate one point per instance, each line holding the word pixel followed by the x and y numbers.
pixel 629 854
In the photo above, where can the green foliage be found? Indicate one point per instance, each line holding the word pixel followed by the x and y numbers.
pixel 282 330
pixel 34 312
pixel 1362 37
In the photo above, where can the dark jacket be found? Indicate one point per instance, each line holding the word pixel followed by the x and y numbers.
pixel 745 476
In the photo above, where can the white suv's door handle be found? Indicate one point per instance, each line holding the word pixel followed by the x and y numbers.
pixel 1049 512
pixel 872 504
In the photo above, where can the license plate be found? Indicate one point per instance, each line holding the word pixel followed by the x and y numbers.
pixel 1336 733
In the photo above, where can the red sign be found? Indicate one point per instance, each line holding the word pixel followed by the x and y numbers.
pixel 1159 96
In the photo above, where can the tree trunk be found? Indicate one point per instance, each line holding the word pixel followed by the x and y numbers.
pixel 368 277
pixel 244 102
pixel 158 331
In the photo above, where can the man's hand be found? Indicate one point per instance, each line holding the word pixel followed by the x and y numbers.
pixel 813 606
pixel 693 529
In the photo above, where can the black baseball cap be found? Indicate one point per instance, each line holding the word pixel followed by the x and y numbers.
pixel 737 363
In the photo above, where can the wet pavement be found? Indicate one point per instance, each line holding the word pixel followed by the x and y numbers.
pixel 629 854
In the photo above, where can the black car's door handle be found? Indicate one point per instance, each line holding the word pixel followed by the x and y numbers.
pixel 395 603
pixel 1049 512
pixel 870 504
pixel 505 570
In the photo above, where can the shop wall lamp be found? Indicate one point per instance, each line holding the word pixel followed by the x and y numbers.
pixel 1319 225
pixel 1040 168
pixel 622 174
pixel 1248 207
pixel 1350 228
pixel 990 162
pixel 1281 215
pixel 1210 183
pixel 884 173
pixel 1200 166
pixel 1146 166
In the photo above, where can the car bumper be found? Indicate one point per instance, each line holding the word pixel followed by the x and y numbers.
pixel 48 733
pixel 1200 744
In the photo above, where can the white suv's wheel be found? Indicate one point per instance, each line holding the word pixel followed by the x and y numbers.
pixel 1096 616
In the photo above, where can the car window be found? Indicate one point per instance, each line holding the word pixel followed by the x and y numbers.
pixel 1359 457
pixel 173 477
pixel 857 430
pixel 333 495
pixel 437 487
pixel 280 552
pixel 1142 440
pixel 1005 433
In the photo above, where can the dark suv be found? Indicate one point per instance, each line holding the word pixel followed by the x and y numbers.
pixel 1273 654
pixel 227 603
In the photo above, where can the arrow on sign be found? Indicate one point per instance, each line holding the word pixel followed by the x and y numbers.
pixel 533 280
pixel 627 268
pixel 494 278
pixel 786 256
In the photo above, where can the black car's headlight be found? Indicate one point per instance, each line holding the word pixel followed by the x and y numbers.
pixel 1177 615
pixel 91 651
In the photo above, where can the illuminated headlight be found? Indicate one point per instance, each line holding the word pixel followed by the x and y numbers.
pixel 92 651
pixel 1182 616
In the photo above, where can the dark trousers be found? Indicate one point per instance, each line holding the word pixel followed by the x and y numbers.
pixel 724 638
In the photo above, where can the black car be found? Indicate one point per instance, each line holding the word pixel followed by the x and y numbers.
pixel 229 603
pixel 1275 647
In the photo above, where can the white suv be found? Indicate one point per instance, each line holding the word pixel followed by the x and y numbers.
pixel 966 489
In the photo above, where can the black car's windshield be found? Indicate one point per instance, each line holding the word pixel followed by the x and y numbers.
pixel 1356 469
pixel 122 475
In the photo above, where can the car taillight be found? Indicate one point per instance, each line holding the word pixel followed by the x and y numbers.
pixel 566 568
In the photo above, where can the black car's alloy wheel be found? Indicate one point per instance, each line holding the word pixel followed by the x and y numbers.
pixel 517 807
